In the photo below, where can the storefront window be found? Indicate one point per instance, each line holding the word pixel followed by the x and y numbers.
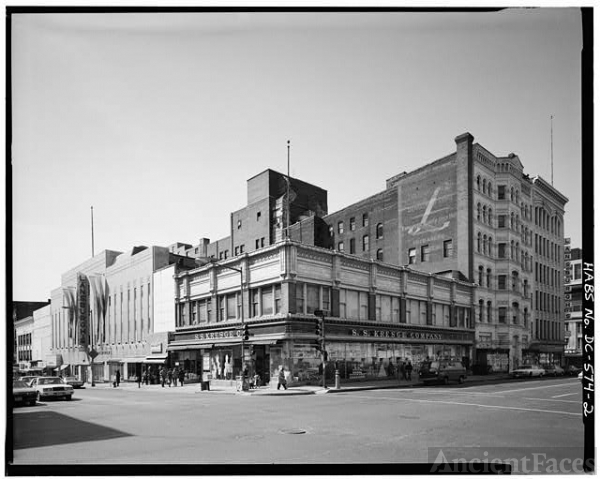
pixel 300 298
pixel 326 290
pixel 255 310
pixel 231 306
pixel 277 298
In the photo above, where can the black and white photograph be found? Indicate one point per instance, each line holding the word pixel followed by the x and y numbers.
pixel 299 240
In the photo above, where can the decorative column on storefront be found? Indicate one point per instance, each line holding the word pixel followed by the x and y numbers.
pixel 372 301
pixel 403 292
pixel 336 279
pixel 287 272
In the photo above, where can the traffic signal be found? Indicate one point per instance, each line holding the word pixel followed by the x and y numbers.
pixel 246 332
pixel 319 329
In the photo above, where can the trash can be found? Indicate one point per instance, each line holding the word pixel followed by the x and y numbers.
pixel 205 386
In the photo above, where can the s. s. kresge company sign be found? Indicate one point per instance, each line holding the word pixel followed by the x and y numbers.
pixel 377 333
pixel 236 333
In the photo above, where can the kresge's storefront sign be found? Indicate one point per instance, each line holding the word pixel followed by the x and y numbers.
pixel 421 335
pixel 236 333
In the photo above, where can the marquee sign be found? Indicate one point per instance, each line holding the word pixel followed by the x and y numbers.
pixel 414 335
pixel 83 308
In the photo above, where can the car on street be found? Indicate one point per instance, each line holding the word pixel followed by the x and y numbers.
pixel 73 381
pixel 528 370
pixel 23 393
pixel 573 370
pixel 442 371
pixel 28 379
pixel 52 387
pixel 553 370
pixel 580 376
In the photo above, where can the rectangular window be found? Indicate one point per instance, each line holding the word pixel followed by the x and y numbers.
pixel 341 246
pixel 202 311
pixel 352 245
pixel 501 192
pixel 412 255
pixel 231 306
pixel 501 221
pixel 501 250
pixel 448 249
pixel 365 243
pixel 300 298
pixel 364 305
pixel 352 223
pixel 312 298
pixel 262 242
pixel 221 308
pixel 326 298
pixel 352 309
pixel 277 298
pixel 365 220
pixel 255 308
pixel 343 303
pixel 257 245
pixel 267 300
pixel 577 274
pixel 340 227
pixel 501 281
pixel 502 315
pixel 237 250
pixel 424 253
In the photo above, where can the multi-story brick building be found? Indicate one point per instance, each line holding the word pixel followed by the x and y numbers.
pixel 471 215
pixel 573 305
pixel 377 314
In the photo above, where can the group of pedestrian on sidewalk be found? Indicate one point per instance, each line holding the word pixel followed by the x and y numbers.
pixel 171 375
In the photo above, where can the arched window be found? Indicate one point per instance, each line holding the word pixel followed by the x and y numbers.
pixel 484 184
pixel 478 183
pixel 489 191
pixel 488 279
pixel 484 244
pixel 512 249
pixel 512 221
pixel 379 230
pixel 478 211
pixel 481 318
pixel 379 254
pixel 484 214
pixel 512 194
pixel 489 311
pixel 479 242
pixel 480 277
pixel 490 216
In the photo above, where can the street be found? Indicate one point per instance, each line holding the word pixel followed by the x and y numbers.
pixel 104 425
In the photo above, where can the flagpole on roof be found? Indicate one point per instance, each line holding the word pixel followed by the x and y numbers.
pixel 287 194
pixel 92 208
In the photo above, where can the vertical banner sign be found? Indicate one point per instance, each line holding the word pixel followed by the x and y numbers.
pixel 83 308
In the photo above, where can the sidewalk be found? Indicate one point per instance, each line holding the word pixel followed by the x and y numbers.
pixel 194 388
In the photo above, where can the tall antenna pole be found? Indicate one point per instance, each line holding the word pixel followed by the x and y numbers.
pixel 287 194
pixel 92 231
pixel 551 151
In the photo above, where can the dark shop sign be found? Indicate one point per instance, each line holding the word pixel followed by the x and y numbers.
pixel 419 335
pixel 209 335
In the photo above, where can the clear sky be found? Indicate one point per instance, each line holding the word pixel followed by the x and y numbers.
pixel 158 120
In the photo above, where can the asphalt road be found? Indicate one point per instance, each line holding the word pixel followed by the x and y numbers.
pixel 167 426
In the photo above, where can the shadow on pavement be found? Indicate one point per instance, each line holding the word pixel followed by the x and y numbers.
pixel 49 428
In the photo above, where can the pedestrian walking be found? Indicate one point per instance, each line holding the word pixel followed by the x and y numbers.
pixel 282 381
pixel 118 377
pixel 175 376
pixel 181 376
pixel 170 376
pixel 146 377
pixel 409 369
pixel 163 376
pixel 138 378
pixel 403 370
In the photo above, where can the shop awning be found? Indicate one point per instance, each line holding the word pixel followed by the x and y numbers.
pixel 156 359
pixel 132 360
pixel 261 342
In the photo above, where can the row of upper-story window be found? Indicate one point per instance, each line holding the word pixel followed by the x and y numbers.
pixel 24 339
pixel 546 302
pixel 425 252
pixel 484 186
pixel 547 248
pixel 547 329
pixel 24 355
pixel 352 227
pixel 485 246
pixel 550 223
pixel 484 279
pixel 353 304
pixel 341 247
pixel 548 276
pixel 485 314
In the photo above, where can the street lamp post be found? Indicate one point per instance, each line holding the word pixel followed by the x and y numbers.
pixel 321 318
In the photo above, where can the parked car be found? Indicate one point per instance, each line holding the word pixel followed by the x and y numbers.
pixel 580 376
pixel 23 393
pixel 442 371
pixel 553 370
pixel 28 379
pixel 73 381
pixel 573 370
pixel 528 370
pixel 47 387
